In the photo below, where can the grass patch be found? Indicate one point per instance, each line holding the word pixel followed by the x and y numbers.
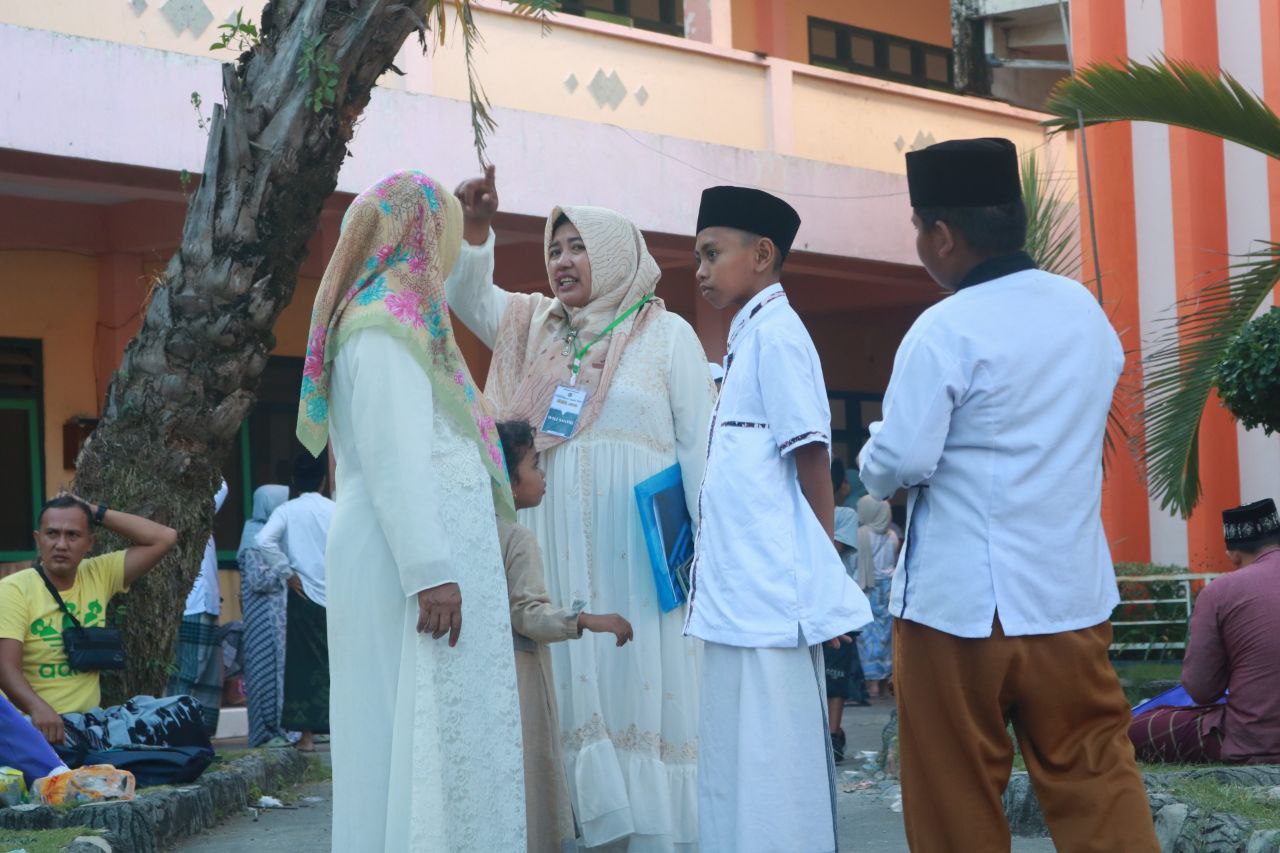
pixel 1168 768
pixel 41 840
pixel 317 771
pixel 1212 797
pixel 1139 676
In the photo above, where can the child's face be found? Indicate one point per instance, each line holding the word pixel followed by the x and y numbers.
pixel 732 265
pixel 530 484
pixel 569 267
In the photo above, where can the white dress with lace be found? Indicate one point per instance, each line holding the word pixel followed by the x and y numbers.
pixel 629 716
pixel 427 751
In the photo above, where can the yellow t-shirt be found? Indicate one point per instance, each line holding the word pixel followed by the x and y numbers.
pixel 29 614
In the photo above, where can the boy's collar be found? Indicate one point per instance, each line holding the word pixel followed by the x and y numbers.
pixel 752 307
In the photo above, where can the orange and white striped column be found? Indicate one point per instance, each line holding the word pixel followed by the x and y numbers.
pixel 1198 178
pixel 1098 35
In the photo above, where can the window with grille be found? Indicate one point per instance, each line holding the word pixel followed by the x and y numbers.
pixel 21 446
pixel 660 16
pixel 847 48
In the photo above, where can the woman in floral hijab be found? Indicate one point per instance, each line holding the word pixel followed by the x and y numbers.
pixel 426 734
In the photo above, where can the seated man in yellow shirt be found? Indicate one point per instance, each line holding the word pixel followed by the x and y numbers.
pixel 34 673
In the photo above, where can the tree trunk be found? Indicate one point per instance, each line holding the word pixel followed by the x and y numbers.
pixel 188 378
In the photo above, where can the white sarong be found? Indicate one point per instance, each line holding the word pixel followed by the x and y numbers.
pixel 766 781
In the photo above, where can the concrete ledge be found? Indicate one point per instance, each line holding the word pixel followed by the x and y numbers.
pixel 232 723
pixel 1179 826
pixel 159 817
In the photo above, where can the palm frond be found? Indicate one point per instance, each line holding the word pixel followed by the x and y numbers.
pixel 1052 238
pixel 482 123
pixel 539 10
pixel 1167 92
pixel 1181 371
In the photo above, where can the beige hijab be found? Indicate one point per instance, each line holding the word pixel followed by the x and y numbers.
pixel 873 517
pixel 530 358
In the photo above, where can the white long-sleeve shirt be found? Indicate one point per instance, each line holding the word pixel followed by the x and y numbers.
pixel 296 534
pixel 994 419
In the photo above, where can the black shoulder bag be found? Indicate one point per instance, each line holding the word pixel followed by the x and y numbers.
pixel 88 649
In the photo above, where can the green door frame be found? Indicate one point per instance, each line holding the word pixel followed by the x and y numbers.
pixel 32 408
pixel 227 557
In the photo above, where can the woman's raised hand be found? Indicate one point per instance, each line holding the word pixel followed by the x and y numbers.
pixel 479 197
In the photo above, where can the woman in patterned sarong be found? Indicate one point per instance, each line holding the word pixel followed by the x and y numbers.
pixel 263 591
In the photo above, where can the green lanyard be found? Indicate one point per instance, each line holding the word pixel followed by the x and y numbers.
pixel 577 357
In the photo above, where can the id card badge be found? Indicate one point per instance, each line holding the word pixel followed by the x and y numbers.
pixel 566 408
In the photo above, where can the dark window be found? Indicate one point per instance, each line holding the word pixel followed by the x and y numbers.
pixel 21 447
pixel 659 16
pixel 846 48
pixel 264 452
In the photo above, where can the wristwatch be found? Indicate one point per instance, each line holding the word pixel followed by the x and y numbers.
pixel 100 513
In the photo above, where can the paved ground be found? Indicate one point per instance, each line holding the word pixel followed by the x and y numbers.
pixel 301 827
pixel 867 822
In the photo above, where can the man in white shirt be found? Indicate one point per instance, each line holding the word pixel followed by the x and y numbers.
pixel 199 672
pixel 293 543
pixel 767 586
pixel 994 420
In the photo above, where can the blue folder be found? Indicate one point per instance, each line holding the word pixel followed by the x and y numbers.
pixel 1176 697
pixel 668 535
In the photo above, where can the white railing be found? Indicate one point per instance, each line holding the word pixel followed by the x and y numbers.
pixel 1182 598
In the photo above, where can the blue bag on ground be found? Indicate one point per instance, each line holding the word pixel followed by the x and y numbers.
pixel 154 765
pixel 170 721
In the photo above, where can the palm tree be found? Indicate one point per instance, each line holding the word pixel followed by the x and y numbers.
pixel 1181 372
pixel 189 377
pixel 1052 222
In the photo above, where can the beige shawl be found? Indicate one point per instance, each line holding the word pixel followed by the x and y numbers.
pixel 873 517
pixel 529 356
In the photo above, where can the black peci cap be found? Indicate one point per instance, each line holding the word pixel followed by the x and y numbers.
pixel 750 210
pixel 964 173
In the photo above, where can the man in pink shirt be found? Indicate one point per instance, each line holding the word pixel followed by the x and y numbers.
pixel 1234 649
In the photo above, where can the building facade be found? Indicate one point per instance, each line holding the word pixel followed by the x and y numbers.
pixel 631 104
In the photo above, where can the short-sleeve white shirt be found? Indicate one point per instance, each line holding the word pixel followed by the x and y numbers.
pixel 765 573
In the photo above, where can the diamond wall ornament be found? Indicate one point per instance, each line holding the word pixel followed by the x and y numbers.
pixel 899 143
pixel 607 89
pixel 922 140
pixel 138 6
pixel 571 83
pixel 642 95
pixel 191 15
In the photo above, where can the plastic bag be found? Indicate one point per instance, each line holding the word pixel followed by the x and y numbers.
pixel 13 790
pixel 91 784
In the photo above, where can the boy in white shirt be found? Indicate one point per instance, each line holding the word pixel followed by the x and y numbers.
pixel 767 586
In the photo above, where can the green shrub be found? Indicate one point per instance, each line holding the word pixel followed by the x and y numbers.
pixel 1249 374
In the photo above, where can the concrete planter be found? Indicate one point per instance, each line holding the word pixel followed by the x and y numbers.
pixel 159 817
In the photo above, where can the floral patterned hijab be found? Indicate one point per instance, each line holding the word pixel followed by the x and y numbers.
pixel 400 238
